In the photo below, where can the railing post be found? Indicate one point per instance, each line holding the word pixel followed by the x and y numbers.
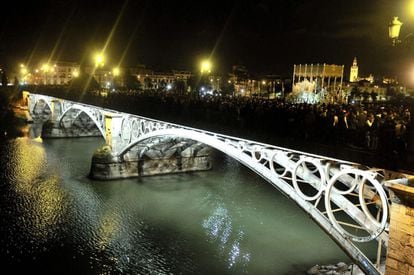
pixel 400 252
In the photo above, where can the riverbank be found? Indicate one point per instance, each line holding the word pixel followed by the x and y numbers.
pixel 11 121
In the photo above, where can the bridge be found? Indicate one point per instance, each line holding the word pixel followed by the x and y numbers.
pixel 349 201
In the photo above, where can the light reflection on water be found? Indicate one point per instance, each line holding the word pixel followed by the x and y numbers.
pixel 226 221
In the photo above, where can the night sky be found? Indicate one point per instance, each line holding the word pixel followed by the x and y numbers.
pixel 266 36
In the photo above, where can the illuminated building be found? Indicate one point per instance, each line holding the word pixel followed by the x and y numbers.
pixel 353 74
pixel 51 73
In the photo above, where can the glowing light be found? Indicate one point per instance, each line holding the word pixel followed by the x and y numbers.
pixel 394 28
pixel 75 73
pixel 169 87
pixel 45 67
pixel 411 7
pixel 205 66
pixel 99 60
pixel 264 82
pixel 23 71
pixel 116 71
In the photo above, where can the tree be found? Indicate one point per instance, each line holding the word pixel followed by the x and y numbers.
pixel 4 79
pixel 365 96
pixel 132 83
pixel 228 89
pixel 374 96
pixel 180 86
pixel 84 82
pixel 355 93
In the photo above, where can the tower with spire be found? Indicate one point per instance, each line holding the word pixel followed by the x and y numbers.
pixel 353 75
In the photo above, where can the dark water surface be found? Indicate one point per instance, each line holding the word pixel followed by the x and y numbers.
pixel 54 219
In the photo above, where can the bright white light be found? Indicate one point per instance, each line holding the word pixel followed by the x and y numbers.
pixel 202 89
pixel 411 7
pixel 169 87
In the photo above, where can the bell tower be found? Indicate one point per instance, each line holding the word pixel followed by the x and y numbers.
pixel 353 76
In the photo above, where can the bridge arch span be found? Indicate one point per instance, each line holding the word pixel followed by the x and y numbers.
pixel 98 121
pixel 37 101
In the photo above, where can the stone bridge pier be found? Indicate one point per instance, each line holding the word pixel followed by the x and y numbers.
pixel 152 156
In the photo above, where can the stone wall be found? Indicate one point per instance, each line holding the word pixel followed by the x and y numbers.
pixel 400 253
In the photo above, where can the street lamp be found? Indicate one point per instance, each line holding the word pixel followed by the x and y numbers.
pixel 99 60
pixel 116 71
pixel 205 66
pixel 394 30
pixel 45 69
pixel 23 73
pixel 75 73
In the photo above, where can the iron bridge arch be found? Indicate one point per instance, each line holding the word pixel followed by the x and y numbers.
pixel 334 181
pixel 95 115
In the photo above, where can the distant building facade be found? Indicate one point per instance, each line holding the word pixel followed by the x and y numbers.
pixel 259 85
pixel 52 73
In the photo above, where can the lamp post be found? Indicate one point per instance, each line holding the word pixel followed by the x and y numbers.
pixel 99 60
pixel 23 73
pixel 205 66
pixel 205 70
pixel 45 69
pixel 115 72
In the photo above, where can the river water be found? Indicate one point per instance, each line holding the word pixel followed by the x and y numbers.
pixel 54 219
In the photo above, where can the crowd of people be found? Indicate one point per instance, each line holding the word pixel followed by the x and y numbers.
pixel 381 127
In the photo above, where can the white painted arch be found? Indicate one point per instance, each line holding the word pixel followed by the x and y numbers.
pixel 85 110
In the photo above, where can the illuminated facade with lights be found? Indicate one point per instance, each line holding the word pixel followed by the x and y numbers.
pixel 52 73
